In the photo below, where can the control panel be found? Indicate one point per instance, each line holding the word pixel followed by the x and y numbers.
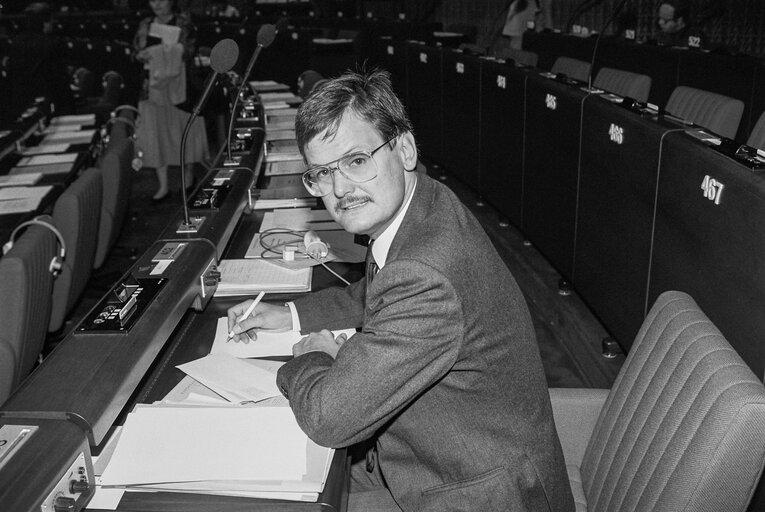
pixel 72 491
pixel 123 306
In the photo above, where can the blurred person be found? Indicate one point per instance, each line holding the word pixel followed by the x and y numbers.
pixel 168 95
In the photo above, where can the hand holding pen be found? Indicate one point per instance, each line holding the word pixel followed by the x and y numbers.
pixel 246 314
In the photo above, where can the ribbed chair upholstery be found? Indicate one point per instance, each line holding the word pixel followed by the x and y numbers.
pixel 624 83
pixel 76 214
pixel 715 112
pixel 757 136
pixel 682 429
pixel 522 57
pixel 116 175
pixel 26 285
pixel 572 68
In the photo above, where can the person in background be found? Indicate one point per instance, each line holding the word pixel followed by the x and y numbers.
pixel 168 94
pixel 440 396
pixel 520 13
pixel 674 23
pixel 307 81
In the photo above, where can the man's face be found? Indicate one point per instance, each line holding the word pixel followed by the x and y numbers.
pixel 667 22
pixel 161 7
pixel 369 207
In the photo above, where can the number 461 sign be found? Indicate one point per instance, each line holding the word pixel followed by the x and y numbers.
pixel 712 189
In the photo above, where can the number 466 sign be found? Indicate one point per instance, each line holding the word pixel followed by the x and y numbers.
pixel 712 189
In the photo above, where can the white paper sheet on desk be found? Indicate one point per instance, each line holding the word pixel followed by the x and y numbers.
pixel 58 128
pixel 81 137
pixel 236 380
pixel 299 219
pixel 43 149
pixel 45 170
pixel 20 180
pixel 170 444
pixel 21 199
pixel 268 343
pixel 280 135
pixel 81 119
pixel 57 158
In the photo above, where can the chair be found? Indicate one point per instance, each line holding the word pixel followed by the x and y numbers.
pixel 624 83
pixel 26 284
pixel 681 429
pixel 116 175
pixel 522 57
pixel 715 112
pixel 572 68
pixel 77 215
pixel 757 137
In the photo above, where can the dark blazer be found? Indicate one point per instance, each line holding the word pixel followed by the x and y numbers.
pixel 445 372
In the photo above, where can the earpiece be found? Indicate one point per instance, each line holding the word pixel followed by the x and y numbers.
pixel 57 262
pixel 314 245
pixel 125 107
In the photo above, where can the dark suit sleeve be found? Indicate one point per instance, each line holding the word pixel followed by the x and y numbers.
pixel 411 338
pixel 332 308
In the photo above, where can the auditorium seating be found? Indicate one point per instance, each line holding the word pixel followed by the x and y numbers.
pixel 520 57
pixel 715 112
pixel 26 285
pixel 77 215
pixel 572 68
pixel 116 174
pixel 757 136
pixel 681 429
pixel 624 83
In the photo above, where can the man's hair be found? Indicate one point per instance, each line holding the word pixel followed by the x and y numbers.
pixel 368 95
pixel 682 9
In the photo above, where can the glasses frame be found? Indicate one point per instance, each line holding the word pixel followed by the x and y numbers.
pixel 334 166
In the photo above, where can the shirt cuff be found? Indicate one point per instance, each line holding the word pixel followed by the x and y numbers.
pixel 295 318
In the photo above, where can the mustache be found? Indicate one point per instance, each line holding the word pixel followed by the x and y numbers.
pixel 350 200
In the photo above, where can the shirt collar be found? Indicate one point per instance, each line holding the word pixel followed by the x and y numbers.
pixel 383 242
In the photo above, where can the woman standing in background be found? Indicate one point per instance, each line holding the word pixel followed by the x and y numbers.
pixel 165 46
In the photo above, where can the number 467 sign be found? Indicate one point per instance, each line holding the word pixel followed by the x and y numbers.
pixel 712 189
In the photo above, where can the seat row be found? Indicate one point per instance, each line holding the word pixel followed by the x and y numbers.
pixel 49 259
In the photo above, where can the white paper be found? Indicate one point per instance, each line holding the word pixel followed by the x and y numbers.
pixel 43 169
pixel 43 149
pixel 81 119
pixel 168 33
pixel 19 180
pixel 249 276
pixel 234 379
pixel 173 444
pixel 81 137
pixel 58 158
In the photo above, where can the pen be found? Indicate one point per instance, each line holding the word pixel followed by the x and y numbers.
pixel 247 313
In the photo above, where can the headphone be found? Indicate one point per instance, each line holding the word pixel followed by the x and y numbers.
pixel 58 261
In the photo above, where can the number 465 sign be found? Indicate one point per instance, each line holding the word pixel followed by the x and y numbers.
pixel 712 189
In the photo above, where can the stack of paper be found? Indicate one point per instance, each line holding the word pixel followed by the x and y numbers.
pixel 267 86
pixel 77 119
pixel 21 199
pixel 20 180
pixel 43 149
pixel 250 276
pixel 79 137
pixel 240 451
pixel 58 158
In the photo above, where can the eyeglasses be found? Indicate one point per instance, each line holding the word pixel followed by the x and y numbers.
pixel 357 167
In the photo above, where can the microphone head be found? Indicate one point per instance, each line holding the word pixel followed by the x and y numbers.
pixel 282 24
pixel 266 35
pixel 224 55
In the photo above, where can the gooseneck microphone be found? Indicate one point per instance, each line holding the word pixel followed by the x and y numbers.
pixel 266 36
pixel 610 20
pixel 222 58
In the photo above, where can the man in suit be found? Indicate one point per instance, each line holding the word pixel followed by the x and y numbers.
pixel 444 380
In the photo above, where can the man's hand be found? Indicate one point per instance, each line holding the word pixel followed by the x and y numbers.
pixel 321 341
pixel 264 317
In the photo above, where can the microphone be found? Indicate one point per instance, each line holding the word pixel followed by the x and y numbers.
pixel 222 58
pixel 266 36
pixel 613 16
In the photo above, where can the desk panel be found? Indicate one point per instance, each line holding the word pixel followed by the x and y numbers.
pixel 553 117
pixel 617 188
pixel 713 249
pixel 391 56
pixel 424 99
pixel 461 102
pixel 503 111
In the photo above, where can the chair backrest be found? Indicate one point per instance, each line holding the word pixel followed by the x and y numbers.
pixel 572 68
pixel 757 136
pixel 116 175
pixel 26 284
pixel 624 83
pixel 682 428
pixel 76 214
pixel 522 57
pixel 721 114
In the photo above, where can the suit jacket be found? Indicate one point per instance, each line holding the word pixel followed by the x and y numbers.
pixel 445 371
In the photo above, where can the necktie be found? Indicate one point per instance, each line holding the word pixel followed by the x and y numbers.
pixel 371 267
